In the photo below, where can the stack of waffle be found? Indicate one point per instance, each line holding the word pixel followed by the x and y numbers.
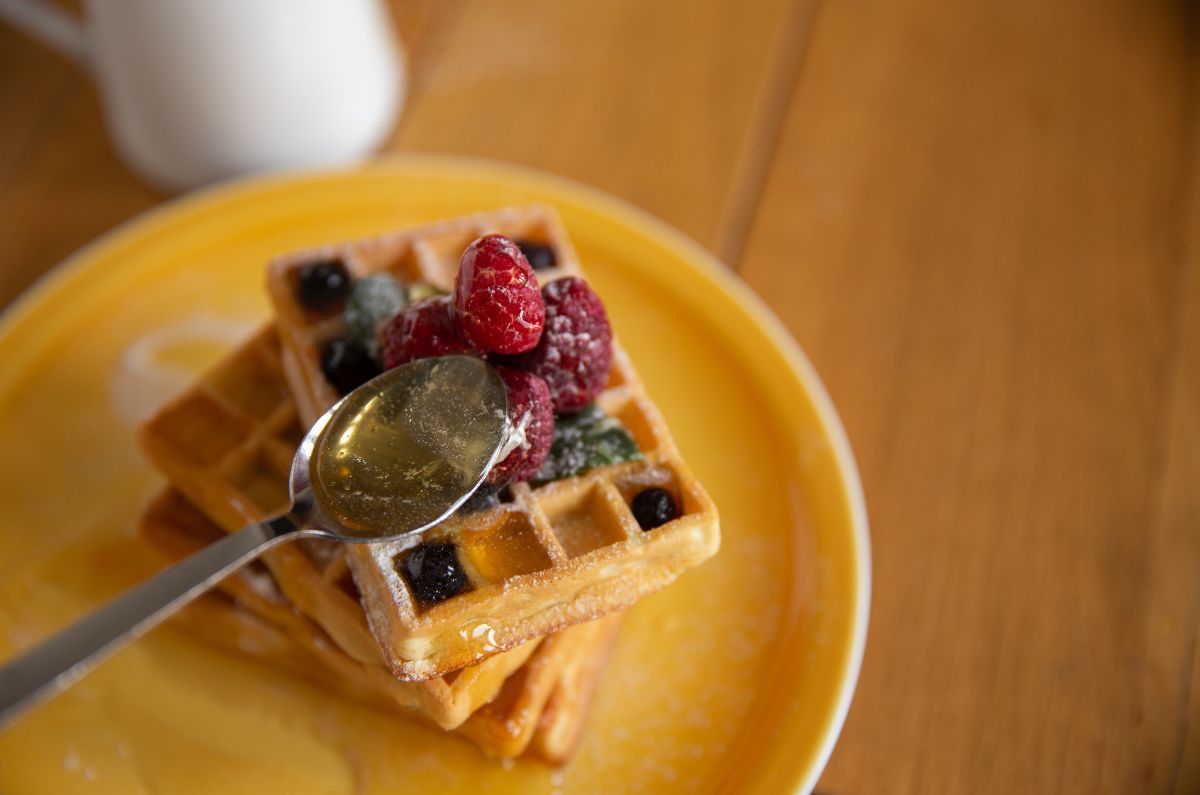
pixel 510 662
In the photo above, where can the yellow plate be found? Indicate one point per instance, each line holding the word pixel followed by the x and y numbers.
pixel 737 677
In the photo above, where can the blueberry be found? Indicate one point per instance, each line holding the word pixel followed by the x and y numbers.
pixel 540 255
pixel 347 365
pixel 433 572
pixel 323 283
pixel 370 303
pixel 486 496
pixel 654 507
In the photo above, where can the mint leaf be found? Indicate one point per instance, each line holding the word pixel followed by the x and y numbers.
pixel 585 440
pixel 373 301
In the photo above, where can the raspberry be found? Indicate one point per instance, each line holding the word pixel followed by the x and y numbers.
pixel 496 300
pixel 420 330
pixel 530 409
pixel 575 353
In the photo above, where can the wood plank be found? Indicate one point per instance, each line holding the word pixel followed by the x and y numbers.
pixel 974 227
pixel 1175 593
pixel 31 84
pixel 602 92
pixel 61 183
pixel 664 104
pixel 1178 559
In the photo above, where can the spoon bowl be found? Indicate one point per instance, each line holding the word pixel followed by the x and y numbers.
pixel 400 453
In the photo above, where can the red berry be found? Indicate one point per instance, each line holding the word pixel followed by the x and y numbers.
pixel 575 352
pixel 421 330
pixel 530 409
pixel 496 300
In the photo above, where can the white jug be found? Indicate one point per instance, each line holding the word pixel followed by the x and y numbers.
pixel 196 91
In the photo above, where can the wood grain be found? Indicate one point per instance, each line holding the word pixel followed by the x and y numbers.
pixel 669 105
pixel 1177 587
pixel 982 220
pixel 666 104
pixel 62 184
pixel 975 226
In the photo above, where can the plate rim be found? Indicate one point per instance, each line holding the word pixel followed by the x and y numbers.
pixel 622 212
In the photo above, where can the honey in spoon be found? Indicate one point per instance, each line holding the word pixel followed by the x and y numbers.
pixel 403 452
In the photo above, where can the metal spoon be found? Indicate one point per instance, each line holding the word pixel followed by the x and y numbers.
pixel 393 458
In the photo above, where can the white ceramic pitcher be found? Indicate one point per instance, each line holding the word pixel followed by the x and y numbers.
pixel 196 91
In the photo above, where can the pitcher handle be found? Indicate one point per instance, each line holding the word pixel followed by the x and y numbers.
pixel 50 25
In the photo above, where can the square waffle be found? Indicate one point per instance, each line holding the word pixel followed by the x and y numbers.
pixel 556 685
pixel 553 556
pixel 541 707
pixel 220 620
pixel 227 444
pixel 560 727
pixel 177 529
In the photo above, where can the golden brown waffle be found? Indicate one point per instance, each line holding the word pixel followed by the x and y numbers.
pixel 218 620
pixel 227 443
pixel 505 724
pixel 176 528
pixel 225 622
pixel 561 726
pixel 250 615
pixel 565 553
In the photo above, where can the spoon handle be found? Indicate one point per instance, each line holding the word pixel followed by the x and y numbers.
pixel 62 660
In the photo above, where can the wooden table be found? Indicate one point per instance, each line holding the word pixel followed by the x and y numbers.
pixel 981 220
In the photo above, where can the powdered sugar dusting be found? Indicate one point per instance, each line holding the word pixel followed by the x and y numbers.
pixel 148 372
pixel 261 583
